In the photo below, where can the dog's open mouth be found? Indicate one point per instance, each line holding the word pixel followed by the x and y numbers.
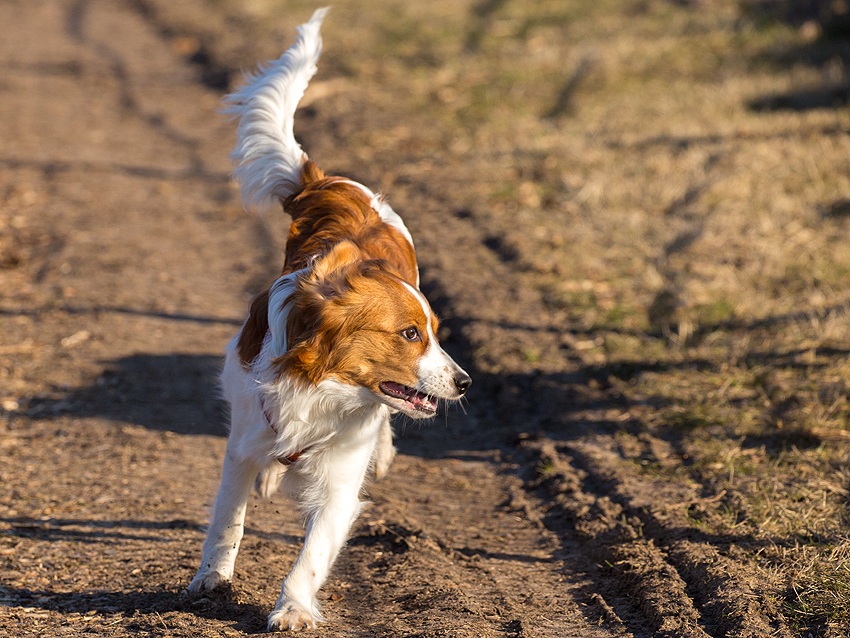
pixel 413 398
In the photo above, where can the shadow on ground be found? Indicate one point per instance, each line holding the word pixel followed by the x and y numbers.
pixel 180 393
pixel 827 49
pixel 177 393
pixel 145 607
pixel 81 530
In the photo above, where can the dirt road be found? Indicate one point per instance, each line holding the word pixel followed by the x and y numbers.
pixel 655 440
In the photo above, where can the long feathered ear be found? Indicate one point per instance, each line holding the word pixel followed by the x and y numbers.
pixel 338 257
pixel 305 293
pixel 328 275
pixel 280 305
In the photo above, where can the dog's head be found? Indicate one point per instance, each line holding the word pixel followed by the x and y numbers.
pixel 354 319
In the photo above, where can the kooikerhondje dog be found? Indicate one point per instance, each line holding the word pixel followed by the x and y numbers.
pixel 343 339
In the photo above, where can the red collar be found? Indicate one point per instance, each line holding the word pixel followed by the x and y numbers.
pixel 284 460
pixel 289 460
pixel 268 415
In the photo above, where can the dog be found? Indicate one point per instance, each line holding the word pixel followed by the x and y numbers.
pixel 342 340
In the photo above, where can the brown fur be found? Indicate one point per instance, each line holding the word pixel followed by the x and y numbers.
pixel 328 210
pixel 347 320
pixel 254 331
pixel 325 212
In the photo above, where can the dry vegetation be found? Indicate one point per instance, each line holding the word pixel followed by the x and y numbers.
pixel 668 186
pixel 669 178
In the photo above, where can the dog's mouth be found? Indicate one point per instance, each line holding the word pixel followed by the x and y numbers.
pixel 413 399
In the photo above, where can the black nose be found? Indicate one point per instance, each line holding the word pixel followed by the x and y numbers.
pixel 462 382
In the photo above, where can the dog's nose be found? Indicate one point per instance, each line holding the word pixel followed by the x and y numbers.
pixel 462 382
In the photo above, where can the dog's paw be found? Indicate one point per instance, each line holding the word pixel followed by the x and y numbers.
pixel 383 462
pixel 289 619
pixel 384 451
pixel 207 581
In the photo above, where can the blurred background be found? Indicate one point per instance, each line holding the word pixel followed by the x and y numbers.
pixel 632 217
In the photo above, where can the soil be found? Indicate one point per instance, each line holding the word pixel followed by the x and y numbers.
pixel 584 489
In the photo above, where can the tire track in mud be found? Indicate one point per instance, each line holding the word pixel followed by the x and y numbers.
pixel 456 560
pixel 495 571
pixel 78 17
pixel 650 574
pixel 684 584
pixel 636 568
pixel 81 25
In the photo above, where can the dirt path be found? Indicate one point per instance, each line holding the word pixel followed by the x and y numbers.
pixel 135 267
pixel 560 504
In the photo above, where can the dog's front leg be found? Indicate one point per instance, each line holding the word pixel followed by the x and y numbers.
pixel 327 531
pixel 384 450
pixel 225 532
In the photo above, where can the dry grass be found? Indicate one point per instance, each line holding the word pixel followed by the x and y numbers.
pixel 820 581
pixel 660 174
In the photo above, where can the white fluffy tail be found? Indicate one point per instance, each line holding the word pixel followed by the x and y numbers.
pixel 267 158
pixel 268 480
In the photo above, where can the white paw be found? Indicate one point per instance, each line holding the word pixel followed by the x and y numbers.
pixel 289 619
pixel 206 581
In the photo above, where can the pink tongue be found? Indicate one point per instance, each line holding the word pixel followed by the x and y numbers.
pixel 411 396
pixel 418 400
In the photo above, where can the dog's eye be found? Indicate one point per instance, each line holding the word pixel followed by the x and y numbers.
pixel 411 334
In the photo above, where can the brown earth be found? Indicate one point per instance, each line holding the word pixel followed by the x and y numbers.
pixel 632 218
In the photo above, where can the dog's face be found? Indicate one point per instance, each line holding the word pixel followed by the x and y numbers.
pixel 354 320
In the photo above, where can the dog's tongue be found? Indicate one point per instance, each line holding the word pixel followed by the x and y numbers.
pixel 422 401
pixel 417 399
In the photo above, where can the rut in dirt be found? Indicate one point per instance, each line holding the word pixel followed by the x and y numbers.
pixel 134 452
pixel 556 505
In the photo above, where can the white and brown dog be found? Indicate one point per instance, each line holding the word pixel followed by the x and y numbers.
pixel 343 339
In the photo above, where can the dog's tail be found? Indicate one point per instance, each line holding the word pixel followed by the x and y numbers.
pixel 267 158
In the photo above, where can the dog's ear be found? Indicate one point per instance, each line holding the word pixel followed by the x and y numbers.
pixel 281 301
pixel 330 272
pixel 297 299
pixel 310 314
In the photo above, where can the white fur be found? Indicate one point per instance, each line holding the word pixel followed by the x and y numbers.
pixel 279 307
pixel 267 157
pixel 332 428
pixel 336 426
pixel 436 369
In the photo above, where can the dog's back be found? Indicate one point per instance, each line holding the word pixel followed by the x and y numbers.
pixel 340 341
